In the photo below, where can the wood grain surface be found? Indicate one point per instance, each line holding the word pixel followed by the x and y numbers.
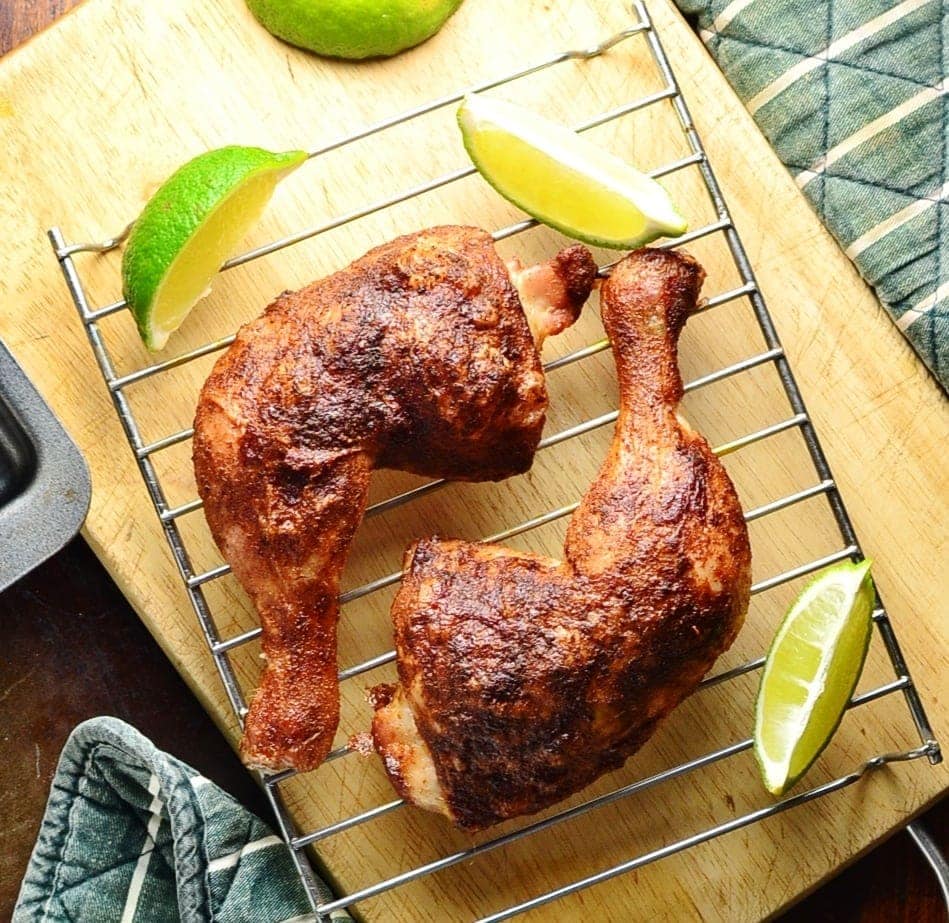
pixel 73 650
pixel 878 411
pixel 50 616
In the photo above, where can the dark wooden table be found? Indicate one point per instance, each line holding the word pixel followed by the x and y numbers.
pixel 74 649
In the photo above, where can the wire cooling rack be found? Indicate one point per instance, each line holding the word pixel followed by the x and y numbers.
pixel 220 648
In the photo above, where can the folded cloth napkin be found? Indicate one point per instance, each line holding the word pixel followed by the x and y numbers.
pixel 131 833
pixel 852 95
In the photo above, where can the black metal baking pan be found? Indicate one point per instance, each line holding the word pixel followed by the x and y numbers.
pixel 44 481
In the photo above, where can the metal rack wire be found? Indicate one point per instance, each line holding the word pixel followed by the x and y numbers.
pixel 799 421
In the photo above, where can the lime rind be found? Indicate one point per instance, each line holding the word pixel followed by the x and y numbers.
pixel 188 201
pixel 845 649
pixel 573 152
pixel 556 150
pixel 179 291
pixel 353 29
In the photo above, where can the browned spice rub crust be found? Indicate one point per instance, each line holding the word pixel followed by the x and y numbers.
pixel 418 356
pixel 523 679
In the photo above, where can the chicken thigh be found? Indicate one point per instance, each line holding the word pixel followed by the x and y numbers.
pixel 522 679
pixel 418 356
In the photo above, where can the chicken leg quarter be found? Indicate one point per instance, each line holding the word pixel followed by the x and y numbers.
pixel 422 356
pixel 523 679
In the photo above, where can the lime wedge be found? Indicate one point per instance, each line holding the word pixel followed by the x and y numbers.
pixel 564 180
pixel 811 671
pixel 189 227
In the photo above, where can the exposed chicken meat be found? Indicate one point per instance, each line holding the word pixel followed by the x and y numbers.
pixel 551 293
pixel 523 679
pixel 418 356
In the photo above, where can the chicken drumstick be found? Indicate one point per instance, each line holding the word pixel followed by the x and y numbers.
pixel 523 679
pixel 418 356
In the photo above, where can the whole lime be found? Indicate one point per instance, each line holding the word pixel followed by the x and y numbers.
pixel 353 28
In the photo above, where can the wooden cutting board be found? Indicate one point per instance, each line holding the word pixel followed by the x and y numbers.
pixel 97 111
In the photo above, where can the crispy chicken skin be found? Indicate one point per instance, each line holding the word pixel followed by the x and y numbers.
pixel 418 356
pixel 523 679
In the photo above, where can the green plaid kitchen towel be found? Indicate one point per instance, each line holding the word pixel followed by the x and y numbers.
pixel 852 95
pixel 133 834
